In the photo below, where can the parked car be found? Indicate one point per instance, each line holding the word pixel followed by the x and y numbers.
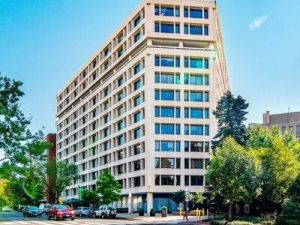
pixel 31 211
pixel 83 211
pixel 7 209
pixel 44 208
pixel 61 212
pixel 106 211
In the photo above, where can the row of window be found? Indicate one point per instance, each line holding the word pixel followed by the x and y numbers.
pixel 189 62
pixel 174 112
pixel 174 129
pixel 174 78
pixel 174 95
pixel 171 180
pixel 174 11
pixel 174 28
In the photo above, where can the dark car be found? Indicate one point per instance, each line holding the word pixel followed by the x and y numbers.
pixel 61 212
pixel 31 211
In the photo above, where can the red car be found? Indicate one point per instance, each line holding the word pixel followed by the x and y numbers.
pixel 61 212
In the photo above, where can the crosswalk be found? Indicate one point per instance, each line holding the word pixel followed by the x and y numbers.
pixel 65 222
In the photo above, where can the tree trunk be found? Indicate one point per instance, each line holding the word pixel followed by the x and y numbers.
pixel 229 212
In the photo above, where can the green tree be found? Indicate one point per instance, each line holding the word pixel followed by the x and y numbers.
pixel 197 198
pixel 108 188
pixel 232 173
pixel 178 196
pixel 90 197
pixel 23 150
pixel 65 174
pixel 230 114
pixel 279 163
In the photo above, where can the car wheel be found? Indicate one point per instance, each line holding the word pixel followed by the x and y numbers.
pixel 55 217
pixel 72 218
pixel 49 217
pixel 24 215
pixel 80 215
pixel 103 216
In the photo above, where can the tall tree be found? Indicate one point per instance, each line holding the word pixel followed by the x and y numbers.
pixel 108 188
pixel 232 173
pixel 90 197
pixel 23 150
pixel 65 174
pixel 230 113
pixel 279 162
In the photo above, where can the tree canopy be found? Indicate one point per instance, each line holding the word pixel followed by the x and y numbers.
pixel 232 173
pixel 108 188
pixel 230 114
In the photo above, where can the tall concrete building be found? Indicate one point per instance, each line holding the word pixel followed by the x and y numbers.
pixel 142 105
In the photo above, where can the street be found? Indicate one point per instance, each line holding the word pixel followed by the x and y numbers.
pixel 16 218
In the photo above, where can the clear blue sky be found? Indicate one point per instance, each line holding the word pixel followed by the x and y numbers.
pixel 44 42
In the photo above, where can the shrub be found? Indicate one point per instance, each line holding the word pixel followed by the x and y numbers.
pixel 223 222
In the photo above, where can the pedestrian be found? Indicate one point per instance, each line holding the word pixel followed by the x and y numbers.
pixel 186 213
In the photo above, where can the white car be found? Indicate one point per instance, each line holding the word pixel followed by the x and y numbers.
pixel 106 211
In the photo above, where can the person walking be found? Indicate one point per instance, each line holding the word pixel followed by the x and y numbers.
pixel 186 213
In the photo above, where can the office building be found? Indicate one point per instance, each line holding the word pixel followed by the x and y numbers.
pixel 286 122
pixel 142 105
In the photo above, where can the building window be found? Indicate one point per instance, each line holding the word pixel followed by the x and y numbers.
pixel 137 133
pixel 137 21
pixel 196 146
pixel 137 101
pixel 120 81
pixel 137 181
pixel 172 112
pixel 196 63
pixel 196 79
pixel 137 84
pixel 167 61
pixel 167 129
pixel 169 28
pixel 196 180
pixel 196 13
pixel 167 95
pixel 137 149
pixel 167 180
pixel 165 78
pixel 196 113
pixel 137 68
pixel 137 37
pixel 167 146
pixel 137 117
pixel 166 11
pixel 196 163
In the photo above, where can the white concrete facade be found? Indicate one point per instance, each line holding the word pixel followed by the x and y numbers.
pixel 110 116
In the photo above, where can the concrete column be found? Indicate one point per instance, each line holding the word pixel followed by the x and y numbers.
pixel 149 201
pixel 130 203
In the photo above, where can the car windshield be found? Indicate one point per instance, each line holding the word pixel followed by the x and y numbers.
pixel 86 208
pixel 61 207
pixel 33 208
pixel 46 206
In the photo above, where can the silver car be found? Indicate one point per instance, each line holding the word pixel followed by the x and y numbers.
pixel 106 211
pixel 83 211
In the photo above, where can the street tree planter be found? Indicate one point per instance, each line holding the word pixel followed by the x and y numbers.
pixel 164 211
pixel 152 213
pixel 141 212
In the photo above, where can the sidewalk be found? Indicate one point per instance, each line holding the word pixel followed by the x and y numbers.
pixel 146 219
